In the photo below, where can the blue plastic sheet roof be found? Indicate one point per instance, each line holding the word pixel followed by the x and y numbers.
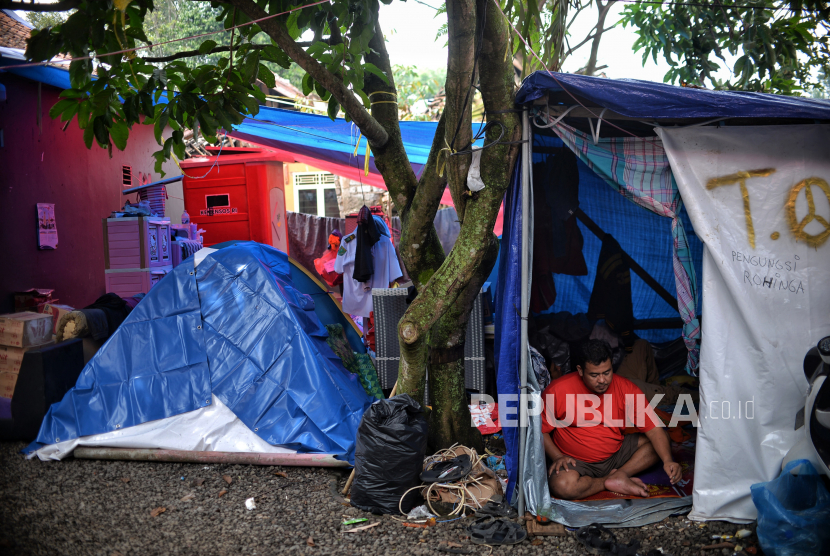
pixel 234 327
pixel 321 138
pixel 648 100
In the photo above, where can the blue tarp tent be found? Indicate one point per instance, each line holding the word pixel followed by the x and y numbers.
pixel 617 207
pixel 236 328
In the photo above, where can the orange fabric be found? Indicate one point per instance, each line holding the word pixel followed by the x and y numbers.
pixel 598 438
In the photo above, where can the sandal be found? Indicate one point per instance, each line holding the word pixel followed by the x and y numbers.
pixel 591 537
pixel 497 507
pixel 448 471
pixel 496 531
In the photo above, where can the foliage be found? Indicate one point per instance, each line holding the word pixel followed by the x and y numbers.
pixel 46 19
pixel 178 94
pixel 769 48
pixel 417 92
pixel 173 19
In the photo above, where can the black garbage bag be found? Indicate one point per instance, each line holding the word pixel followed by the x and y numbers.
pixel 389 455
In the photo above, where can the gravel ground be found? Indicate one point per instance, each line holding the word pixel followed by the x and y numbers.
pixel 105 508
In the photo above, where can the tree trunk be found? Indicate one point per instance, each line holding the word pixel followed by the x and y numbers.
pixel 434 326
pixel 443 307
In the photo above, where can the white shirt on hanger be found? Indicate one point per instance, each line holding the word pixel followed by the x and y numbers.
pixel 357 296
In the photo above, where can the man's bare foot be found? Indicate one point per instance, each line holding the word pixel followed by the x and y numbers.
pixel 621 483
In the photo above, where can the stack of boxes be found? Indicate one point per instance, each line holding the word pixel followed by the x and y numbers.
pixel 20 332
pixel 137 253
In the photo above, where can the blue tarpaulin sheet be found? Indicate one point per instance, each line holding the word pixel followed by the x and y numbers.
pixel 648 100
pixel 333 141
pixel 644 235
pixel 234 327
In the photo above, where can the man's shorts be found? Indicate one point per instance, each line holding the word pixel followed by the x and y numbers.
pixel 603 468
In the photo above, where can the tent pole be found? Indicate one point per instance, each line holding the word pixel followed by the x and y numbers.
pixel 525 275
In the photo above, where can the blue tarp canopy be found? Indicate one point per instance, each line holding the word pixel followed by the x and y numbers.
pixel 236 328
pixel 648 100
pixel 321 138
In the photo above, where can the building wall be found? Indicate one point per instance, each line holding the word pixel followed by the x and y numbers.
pixel 351 194
pixel 54 166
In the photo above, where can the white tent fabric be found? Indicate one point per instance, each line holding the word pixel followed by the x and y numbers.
pixel 749 192
pixel 213 428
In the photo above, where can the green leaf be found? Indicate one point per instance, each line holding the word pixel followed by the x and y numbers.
pixel 267 76
pixel 79 73
pixel 60 106
pixel 161 123
pixel 207 46
pixel 72 93
pixel 374 70
pixel 102 134
pixel 223 119
pixel 70 112
pixel 88 135
pixel 251 104
pixel 160 75
pixel 308 84
pixel 119 133
pixel 147 105
pixel 334 108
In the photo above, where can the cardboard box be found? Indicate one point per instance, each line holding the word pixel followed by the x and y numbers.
pixel 57 311
pixel 7 384
pixel 25 329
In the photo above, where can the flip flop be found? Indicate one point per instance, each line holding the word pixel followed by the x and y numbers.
pixel 591 537
pixel 497 507
pixel 496 531
pixel 448 471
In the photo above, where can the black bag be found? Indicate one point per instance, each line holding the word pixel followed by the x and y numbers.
pixel 389 456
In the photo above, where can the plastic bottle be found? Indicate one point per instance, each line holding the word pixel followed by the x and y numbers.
pixel 185 217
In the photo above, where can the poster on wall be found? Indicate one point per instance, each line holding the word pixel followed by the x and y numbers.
pixel 759 200
pixel 47 231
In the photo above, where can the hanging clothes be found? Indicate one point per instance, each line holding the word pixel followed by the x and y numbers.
pixel 557 240
pixel 368 235
pixel 357 296
pixel 325 264
pixel 611 296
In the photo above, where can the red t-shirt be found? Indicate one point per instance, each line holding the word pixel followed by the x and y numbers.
pixel 586 430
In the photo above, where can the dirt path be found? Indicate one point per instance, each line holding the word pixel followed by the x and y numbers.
pixel 81 507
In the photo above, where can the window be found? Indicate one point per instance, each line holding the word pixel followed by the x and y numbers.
pixel 213 201
pixel 314 193
pixel 127 176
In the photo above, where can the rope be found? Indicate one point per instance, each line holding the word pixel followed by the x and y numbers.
pixel 469 489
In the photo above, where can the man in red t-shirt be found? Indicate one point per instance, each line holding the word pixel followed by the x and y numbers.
pixel 586 413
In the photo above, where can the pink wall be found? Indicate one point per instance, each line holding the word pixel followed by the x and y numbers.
pixel 55 167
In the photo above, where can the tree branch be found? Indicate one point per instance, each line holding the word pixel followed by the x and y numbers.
pixel 371 128
pixel 467 257
pixel 461 43
pixel 420 247
pixel 32 6
pixel 192 53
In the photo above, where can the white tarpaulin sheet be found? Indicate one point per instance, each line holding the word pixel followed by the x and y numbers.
pixel 213 428
pixel 759 200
